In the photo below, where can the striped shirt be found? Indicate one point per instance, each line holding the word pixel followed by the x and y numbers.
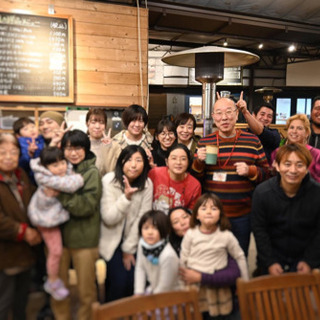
pixel 236 192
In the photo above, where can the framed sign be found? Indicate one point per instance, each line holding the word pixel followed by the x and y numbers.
pixel 36 58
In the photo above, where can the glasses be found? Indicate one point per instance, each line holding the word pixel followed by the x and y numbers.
pixel 228 113
pixel 165 134
pixel 76 149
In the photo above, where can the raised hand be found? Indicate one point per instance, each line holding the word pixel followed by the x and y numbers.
pixel 241 104
pixel 32 147
pixel 128 190
pixel 218 95
pixel 150 158
pixel 58 134
pixel 106 139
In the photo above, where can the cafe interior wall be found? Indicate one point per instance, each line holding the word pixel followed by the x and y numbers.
pixel 110 50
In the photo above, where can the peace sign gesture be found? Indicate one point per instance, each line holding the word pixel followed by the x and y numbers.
pixel 241 104
pixel 32 147
pixel 128 190
pixel 106 138
pixel 58 134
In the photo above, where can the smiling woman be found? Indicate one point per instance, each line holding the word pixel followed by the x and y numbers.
pixel 173 186
pixel 298 127
pixel 127 195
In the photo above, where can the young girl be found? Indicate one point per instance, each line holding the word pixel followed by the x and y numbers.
pixel 173 186
pixel 126 196
pixel 52 174
pixel 157 261
pixel 205 248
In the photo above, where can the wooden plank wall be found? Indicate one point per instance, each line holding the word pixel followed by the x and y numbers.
pixel 106 49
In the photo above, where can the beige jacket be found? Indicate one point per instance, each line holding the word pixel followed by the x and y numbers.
pixel 120 217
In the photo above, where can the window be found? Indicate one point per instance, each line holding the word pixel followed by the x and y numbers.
pixel 304 106
pixel 283 110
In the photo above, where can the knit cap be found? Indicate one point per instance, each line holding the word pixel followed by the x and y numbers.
pixel 55 116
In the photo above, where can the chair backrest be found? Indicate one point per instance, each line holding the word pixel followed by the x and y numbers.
pixel 178 305
pixel 285 297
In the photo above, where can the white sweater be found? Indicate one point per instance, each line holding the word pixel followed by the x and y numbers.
pixel 120 216
pixel 162 277
pixel 208 253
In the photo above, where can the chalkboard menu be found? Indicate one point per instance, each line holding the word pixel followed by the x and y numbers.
pixel 36 58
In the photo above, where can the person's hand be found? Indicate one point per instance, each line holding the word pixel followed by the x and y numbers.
pixel 241 104
pixel 32 236
pixel 32 147
pixel 106 139
pixel 303 267
pixel 49 192
pixel 275 269
pixel 128 190
pixel 128 260
pixel 218 95
pixel 189 276
pixel 58 134
pixel 202 153
pixel 150 158
pixel 242 169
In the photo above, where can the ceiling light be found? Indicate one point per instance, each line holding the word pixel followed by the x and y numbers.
pixel 225 43
pixel 292 48
pixel 260 46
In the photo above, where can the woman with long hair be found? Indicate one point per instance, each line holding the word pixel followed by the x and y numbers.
pixel 127 195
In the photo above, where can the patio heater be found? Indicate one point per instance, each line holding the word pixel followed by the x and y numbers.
pixel 209 63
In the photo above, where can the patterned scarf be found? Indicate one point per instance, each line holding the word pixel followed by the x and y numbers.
pixel 152 252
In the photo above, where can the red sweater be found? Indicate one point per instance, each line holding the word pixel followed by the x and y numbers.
pixel 168 193
pixel 236 192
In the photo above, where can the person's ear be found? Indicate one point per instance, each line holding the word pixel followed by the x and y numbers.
pixel 166 161
pixel 276 165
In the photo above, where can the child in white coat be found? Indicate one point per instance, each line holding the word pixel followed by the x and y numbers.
pixel 157 261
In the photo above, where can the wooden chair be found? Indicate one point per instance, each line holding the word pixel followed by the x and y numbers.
pixel 178 305
pixel 285 297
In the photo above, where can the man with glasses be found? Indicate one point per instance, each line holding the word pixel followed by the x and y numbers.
pixel 259 122
pixel 241 164
pixel 314 140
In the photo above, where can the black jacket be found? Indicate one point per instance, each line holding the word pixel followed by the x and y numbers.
pixel 287 230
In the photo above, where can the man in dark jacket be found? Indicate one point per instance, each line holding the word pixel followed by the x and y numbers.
pixel 286 215
pixel 314 140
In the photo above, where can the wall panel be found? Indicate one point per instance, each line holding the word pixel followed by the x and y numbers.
pixel 106 49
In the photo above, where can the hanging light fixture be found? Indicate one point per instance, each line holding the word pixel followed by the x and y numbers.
pixel 225 43
pixel 268 93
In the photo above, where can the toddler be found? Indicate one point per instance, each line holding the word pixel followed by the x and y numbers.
pixel 157 261
pixel 52 174
pixel 31 143
pixel 205 248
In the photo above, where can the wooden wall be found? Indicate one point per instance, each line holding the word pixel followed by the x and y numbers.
pixel 106 49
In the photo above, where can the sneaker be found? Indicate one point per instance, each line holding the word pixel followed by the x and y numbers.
pixel 56 289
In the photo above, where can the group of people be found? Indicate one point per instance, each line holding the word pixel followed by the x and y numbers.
pixel 153 208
